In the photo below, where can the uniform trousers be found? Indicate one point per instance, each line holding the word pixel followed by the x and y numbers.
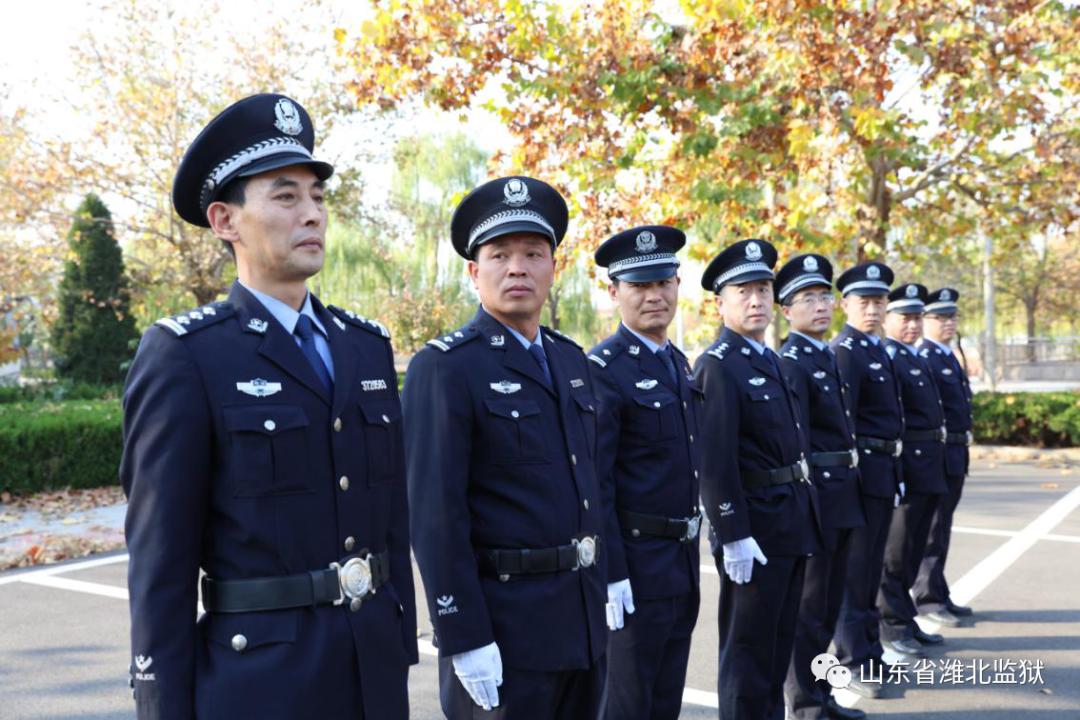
pixel 857 639
pixel 931 590
pixel 903 553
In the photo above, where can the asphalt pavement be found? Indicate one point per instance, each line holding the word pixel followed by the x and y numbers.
pixel 1015 558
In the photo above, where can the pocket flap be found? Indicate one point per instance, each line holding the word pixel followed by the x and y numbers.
pixel 266 419
pixel 380 413
pixel 512 409
pixel 585 403
pixel 257 628
pixel 763 394
pixel 654 402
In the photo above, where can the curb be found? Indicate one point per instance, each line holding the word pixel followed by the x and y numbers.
pixel 1017 453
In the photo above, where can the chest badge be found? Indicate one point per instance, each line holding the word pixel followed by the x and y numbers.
pixel 819 375
pixel 647 384
pixel 505 387
pixel 497 341
pixel 376 384
pixel 946 371
pixel 258 387
pixel 915 371
pixel 633 350
pixel 577 382
pixel 757 381
pixel 875 366
pixel 745 351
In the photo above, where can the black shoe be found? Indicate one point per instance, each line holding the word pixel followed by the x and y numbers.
pixel 863 689
pixel 836 711
pixel 959 610
pixel 928 638
pixel 904 647
pixel 943 617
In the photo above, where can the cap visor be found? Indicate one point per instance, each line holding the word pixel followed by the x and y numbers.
pixel 513 228
pixel 321 169
pixel 743 278
pixel 647 274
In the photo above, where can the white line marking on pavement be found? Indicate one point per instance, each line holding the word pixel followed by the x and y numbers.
pixel 1013 533
pixel 64 568
pixel 82 586
pixel 989 568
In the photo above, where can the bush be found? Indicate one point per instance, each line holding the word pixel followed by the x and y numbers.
pixel 59 391
pixel 1049 419
pixel 48 445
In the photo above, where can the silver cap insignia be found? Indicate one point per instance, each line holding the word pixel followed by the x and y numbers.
pixel 287 117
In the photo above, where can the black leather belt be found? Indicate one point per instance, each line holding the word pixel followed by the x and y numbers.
pixel 780 476
pixel 580 553
pixel 841 458
pixel 682 529
pixel 938 435
pixel 963 438
pixel 889 447
pixel 354 579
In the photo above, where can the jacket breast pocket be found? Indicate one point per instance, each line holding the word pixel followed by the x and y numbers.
pixel 586 410
pixel 654 417
pixel 514 431
pixel 269 451
pixel 764 408
pixel 383 440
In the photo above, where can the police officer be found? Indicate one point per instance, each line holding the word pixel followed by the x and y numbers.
pixel 262 444
pixel 755 486
pixel 874 397
pixel 931 591
pixel 507 513
pixel 805 294
pixel 649 470
pixel 923 461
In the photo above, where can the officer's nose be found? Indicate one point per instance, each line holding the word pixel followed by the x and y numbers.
pixel 313 212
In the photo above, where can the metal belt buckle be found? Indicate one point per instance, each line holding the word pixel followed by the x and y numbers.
pixel 854 457
pixel 693 527
pixel 586 551
pixel 899 447
pixel 944 434
pixel 970 437
pixel 354 579
pixel 805 467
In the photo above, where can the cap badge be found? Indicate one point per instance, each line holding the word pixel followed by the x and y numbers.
pixel 873 273
pixel 809 264
pixel 645 242
pixel 516 193
pixel 288 117
pixel 753 251
pixel 911 291
pixel 946 295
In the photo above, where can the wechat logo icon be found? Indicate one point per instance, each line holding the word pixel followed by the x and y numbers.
pixel 826 667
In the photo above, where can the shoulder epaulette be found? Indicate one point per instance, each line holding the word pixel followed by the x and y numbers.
pixel 552 334
pixel 456 339
pixel 197 319
pixel 372 326
pixel 607 351
pixel 718 351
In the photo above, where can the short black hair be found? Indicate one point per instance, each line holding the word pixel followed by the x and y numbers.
pixel 234 193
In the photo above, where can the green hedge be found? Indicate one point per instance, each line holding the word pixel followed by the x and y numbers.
pixel 48 445
pixel 1050 419
pixel 76 443
pixel 58 391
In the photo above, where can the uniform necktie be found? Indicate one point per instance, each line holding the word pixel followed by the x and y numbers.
pixel 665 354
pixel 306 332
pixel 537 351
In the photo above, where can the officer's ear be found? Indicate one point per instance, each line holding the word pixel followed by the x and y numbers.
pixel 474 271
pixel 222 218
pixel 613 290
pixel 786 310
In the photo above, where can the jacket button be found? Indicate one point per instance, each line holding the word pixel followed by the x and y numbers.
pixel 337 424
pixel 696 474
pixel 514 414
pixel 355 604
pixel 691 438
pixel 344 483
pixel 586 503
pixel 918 451
pixel 684 405
pixel 573 459
pixel 270 425
pixel 239 642
pixel 350 543
pixel 385 419
pixel 826 475
pixel 656 404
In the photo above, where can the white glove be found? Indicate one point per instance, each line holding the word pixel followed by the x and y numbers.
pixel 739 557
pixel 619 599
pixel 480 671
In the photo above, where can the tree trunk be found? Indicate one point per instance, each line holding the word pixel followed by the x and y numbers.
pixel 553 307
pixel 1031 306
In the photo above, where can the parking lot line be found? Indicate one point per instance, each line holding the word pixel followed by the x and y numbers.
pixel 92 588
pixel 64 568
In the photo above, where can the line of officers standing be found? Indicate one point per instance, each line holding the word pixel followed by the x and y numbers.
pixel 553 497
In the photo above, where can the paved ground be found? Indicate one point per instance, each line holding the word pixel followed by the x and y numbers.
pixel 1016 558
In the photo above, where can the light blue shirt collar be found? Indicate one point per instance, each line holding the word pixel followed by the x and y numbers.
pixel 754 344
pixel 646 341
pixel 285 314
pixel 944 348
pixel 816 343
pixel 912 350
pixel 873 339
